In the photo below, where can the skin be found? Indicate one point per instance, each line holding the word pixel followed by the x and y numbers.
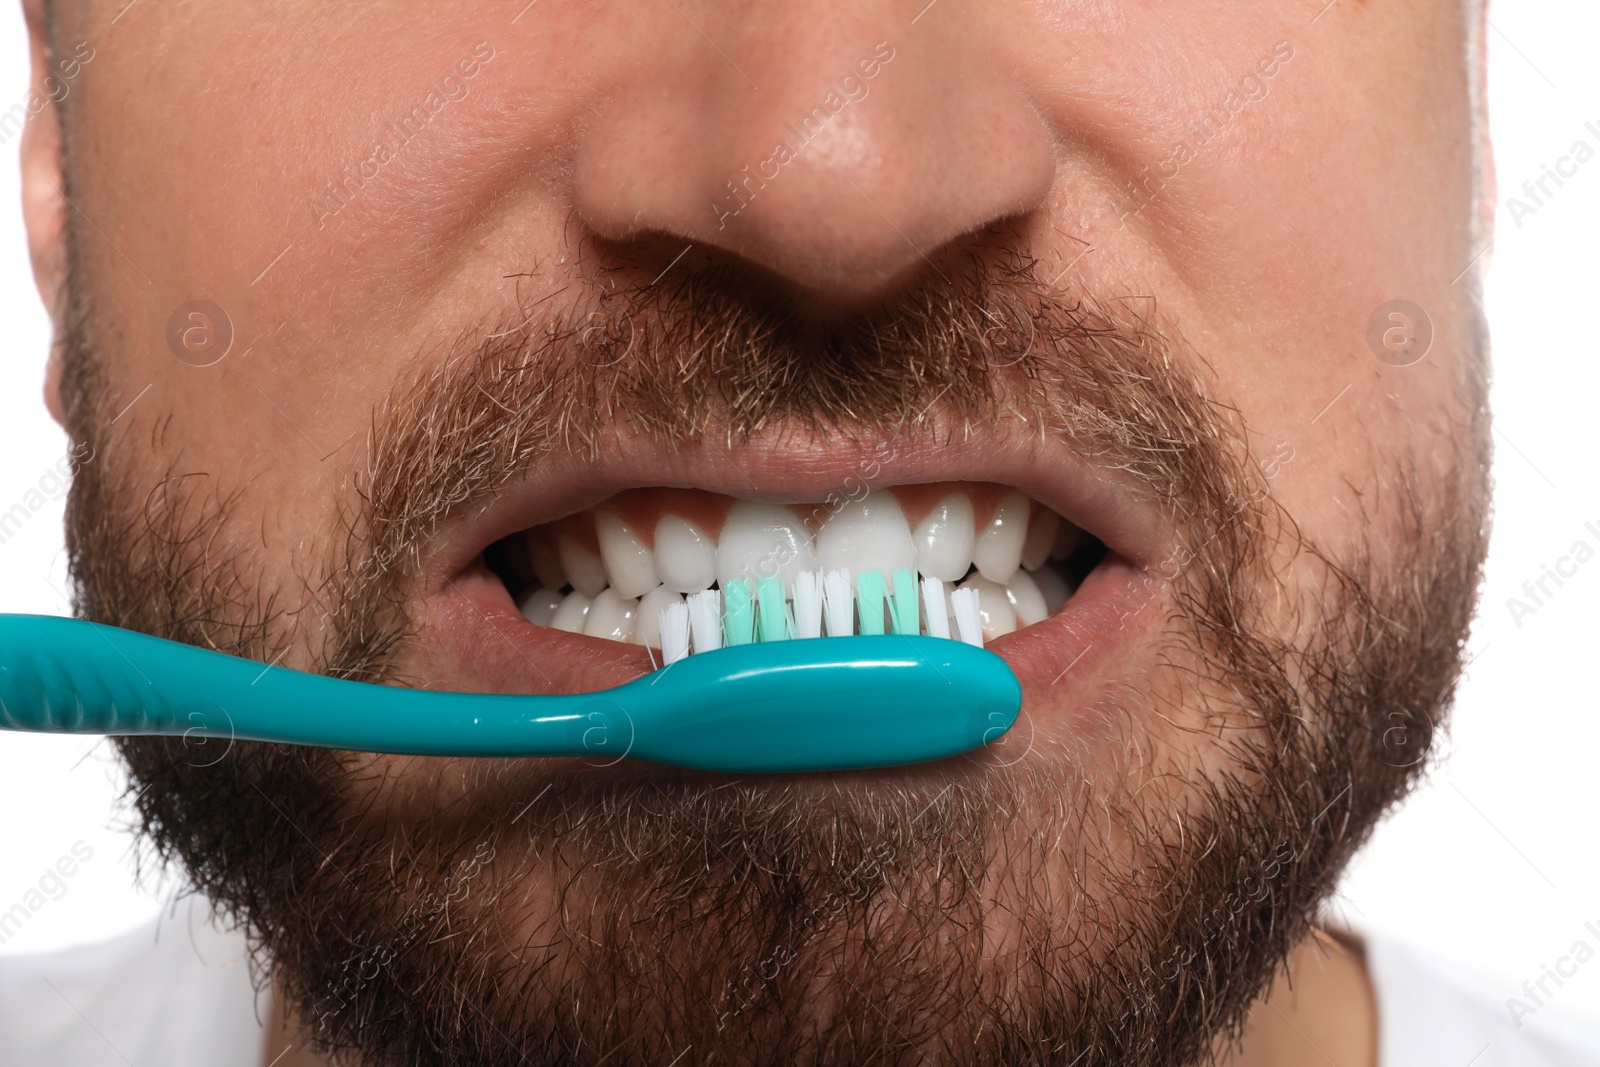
pixel 201 132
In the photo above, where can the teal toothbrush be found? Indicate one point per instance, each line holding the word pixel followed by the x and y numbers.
pixel 806 704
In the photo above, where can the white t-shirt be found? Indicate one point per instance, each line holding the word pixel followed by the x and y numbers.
pixel 1428 1015
pixel 177 993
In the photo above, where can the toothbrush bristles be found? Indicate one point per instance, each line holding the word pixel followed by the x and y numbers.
pixel 938 611
pixel 705 619
pixel 839 603
pixel 674 632
pixel 821 603
pixel 808 604
pixel 969 617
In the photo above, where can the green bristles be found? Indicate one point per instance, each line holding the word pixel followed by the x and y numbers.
pixel 738 614
pixel 775 621
pixel 904 611
pixel 759 610
pixel 869 602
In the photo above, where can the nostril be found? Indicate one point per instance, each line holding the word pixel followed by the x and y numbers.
pixel 843 176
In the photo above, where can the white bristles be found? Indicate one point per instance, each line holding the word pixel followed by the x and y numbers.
pixel 705 619
pixel 839 603
pixel 674 632
pixel 808 604
pixel 969 620
pixel 820 603
pixel 933 602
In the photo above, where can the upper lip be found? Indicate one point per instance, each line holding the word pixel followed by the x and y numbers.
pixel 805 470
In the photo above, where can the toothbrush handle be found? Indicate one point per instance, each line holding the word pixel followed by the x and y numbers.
pixel 65 675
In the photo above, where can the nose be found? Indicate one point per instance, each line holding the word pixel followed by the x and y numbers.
pixel 840 160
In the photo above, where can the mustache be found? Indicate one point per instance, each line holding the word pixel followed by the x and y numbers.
pixel 709 351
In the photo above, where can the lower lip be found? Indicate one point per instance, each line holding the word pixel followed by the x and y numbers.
pixel 473 639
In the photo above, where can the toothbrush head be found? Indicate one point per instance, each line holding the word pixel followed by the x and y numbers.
pixel 814 705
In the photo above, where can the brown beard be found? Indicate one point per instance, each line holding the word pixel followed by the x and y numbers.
pixel 1049 911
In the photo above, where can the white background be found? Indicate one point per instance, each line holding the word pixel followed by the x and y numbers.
pixel 1494 864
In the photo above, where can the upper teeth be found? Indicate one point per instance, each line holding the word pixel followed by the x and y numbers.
pixel 628 562
pixel 944 539
pixel 686 556
pixel 583 569
pixel 998 553
pixel 867 534
pixel 763 540
pixel 621 590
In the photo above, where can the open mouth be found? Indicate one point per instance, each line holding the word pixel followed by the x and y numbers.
pixel 680 571
pixel 559 581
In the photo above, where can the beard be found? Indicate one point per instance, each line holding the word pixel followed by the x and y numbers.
pixel 1119 897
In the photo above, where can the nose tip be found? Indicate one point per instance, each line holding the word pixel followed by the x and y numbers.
pixel 842 173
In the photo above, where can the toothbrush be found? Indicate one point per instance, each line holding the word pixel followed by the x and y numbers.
pixel 771 701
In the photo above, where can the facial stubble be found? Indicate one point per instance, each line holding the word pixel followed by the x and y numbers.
pixel 1048 909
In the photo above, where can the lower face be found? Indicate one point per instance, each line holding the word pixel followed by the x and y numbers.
pixel 471 436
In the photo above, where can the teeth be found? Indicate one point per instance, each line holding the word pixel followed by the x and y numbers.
pixel 611 616
pixel 629 563
pixel 647 627
pixel 766 578
pixel 1042 527
pixel 1026 599
pixel 1067 538
pixel 540 605
pixel 763 541
pixel 584 569
pixel 686 556
pixel 1053 587
pixel 542 556
pixel 944 540
pixel 997 615
pixel 998 552
pixel 870 534
pixel 569 616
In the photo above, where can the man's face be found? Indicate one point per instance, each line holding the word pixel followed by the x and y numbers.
pixel 464 271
